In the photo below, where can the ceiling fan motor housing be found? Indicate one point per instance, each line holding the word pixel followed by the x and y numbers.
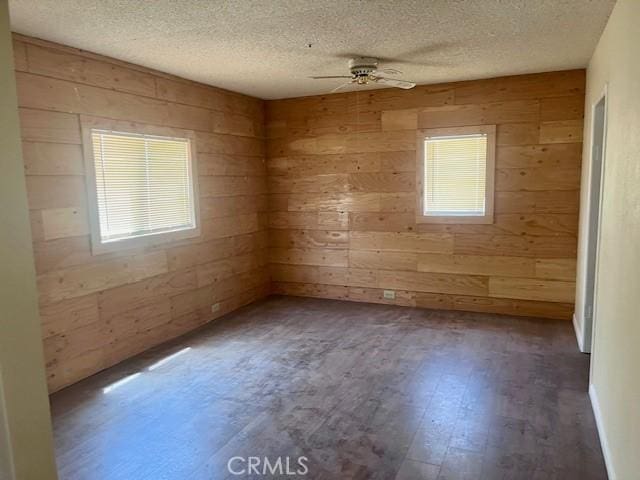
pixel 363 66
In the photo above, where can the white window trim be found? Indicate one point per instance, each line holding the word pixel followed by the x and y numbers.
pixel 98 247
pixel 490 131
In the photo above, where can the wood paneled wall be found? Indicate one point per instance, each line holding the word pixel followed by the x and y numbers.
pixel 341 172
pixel 335 219
pixel 98 310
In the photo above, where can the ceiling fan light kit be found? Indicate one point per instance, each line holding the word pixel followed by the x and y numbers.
pixel 364 70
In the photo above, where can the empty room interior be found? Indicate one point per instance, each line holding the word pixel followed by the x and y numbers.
pixel 392 240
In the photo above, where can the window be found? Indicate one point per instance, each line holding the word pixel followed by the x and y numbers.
pixel 455 175
pixel 141 188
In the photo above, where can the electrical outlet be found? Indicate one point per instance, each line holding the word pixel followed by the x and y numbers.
pixel 215 307
pixel 389 294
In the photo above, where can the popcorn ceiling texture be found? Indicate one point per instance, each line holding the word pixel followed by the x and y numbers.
pixel 260 48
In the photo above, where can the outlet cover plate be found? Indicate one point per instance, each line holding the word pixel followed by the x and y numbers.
pixel 389 294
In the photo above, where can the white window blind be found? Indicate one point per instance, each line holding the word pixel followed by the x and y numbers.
pixel 455 175
pixel 143 184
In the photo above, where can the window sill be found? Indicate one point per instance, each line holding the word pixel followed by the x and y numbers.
pixel 146 241
pixel 486 219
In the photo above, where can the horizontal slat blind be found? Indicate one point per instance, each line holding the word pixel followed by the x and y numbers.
pixel 143 183
pixel 455 175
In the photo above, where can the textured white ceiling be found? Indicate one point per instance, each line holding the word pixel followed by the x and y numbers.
pixel 259 47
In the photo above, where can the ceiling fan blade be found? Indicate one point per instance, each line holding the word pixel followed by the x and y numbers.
pixel 414 63
pixel 394 82
pixel 331 76
pixel 387 71
pixel 414 57
pixel 349 56
pixel 340 87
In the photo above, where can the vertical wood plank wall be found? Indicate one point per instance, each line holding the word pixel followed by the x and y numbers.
pixel 341 172
pixel 99 310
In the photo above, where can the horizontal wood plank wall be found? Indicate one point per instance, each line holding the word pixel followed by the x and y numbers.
pixel 99 310
pixel 341 172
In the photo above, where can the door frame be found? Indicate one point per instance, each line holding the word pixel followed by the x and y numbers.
pixel 588 337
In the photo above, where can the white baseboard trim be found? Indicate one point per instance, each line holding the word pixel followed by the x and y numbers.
pixel 578 330
pixel 606 452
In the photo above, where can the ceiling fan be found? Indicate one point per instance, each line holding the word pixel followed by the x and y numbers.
pixel 364 70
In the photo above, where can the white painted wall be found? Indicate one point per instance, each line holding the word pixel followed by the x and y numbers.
pixel 6 454
pixel 25 426
pixel 615 369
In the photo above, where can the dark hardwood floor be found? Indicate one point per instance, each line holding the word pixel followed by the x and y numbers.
pixel 363 391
